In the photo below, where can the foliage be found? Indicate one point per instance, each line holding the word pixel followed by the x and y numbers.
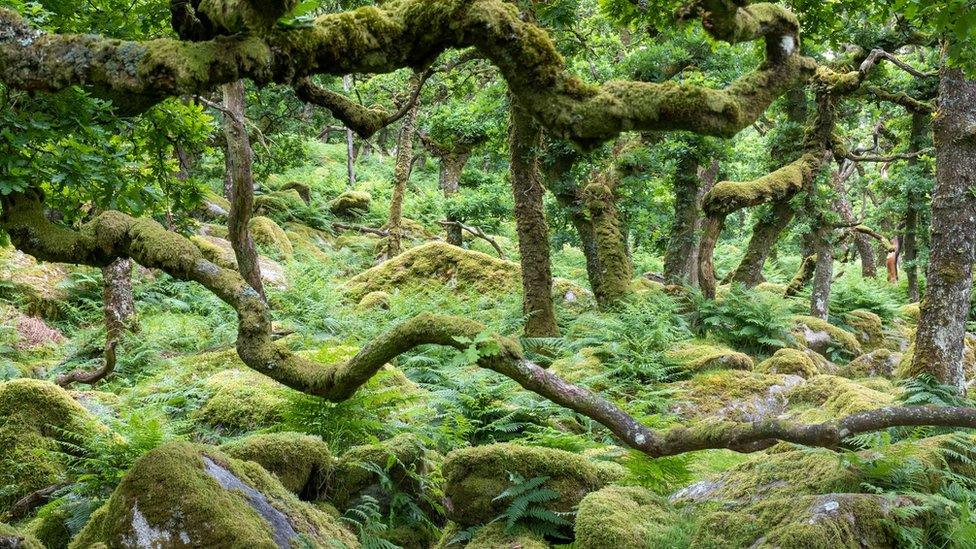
pixel 750 320
pixel 526 507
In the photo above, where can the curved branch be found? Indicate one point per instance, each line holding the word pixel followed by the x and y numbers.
pixel 412 33
pixel 729 196
pixel 112 235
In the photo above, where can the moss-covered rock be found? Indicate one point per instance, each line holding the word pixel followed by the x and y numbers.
pixel 39 286
pixel 831 397
pixel 242 400
pixel 270 237
pixel 838 520
pixel 300 462
pixel 220 252
pixel 350 203
pixel 879 362
pixel 374 300
pixel 475 476
pixel 50 527
pixel 629 517
pixel 825 338
pixel 188 495
pixel 788 361
pixel 735 395
pixel 35 416
pixel 406 462
pixel 494 536
pixel 867 327
pixel 699 356
pixel 10 538
pixel 910 313
pixel 282 203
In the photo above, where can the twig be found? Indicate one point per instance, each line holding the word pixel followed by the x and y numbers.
pixel 476 231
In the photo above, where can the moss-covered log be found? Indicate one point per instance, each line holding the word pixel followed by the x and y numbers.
pixel 411 33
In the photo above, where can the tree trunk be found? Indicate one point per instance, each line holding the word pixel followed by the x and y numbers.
pixel 765 233
pixel 616 268
pixel 119 310
pixel 711 230
pixel 684 237
pixel 238 162
pixel 451 166
pixel 401 174
pixel 945 308
pixel 524 140
pixel 910 241
pixel 350 142
pixel 823 273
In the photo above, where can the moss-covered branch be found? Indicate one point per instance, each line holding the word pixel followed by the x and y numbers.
pixel 729 196
pixel 409 33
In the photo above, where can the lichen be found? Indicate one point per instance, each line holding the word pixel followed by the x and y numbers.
pixel 475 476
pixel 788 361
pixel 697 356
pixel 300 462
pixel 189 495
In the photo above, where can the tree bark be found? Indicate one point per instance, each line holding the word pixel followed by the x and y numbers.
pixel 910 241
pixel 350 142
pixel 524 140
pixel 687 215
pixel 616 270
pixel 765 233
pixel 238 161
pixel 401 175
pixel 711 231
pixel 945 308
pixel 823 273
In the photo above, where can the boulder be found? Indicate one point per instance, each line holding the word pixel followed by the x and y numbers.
pixel 474 477
pixel 696 356
pixel 788 361
pixel 270 237
pixel 10 538
pixel 300 462
pixel 374 300
pixel 734 395
pixel 825 338
pixel 282 203
pixel 350 203
pixel 190 495
pixel 242 400
pixel 826 397
pixel 220 252
pixel 625 517
pixel 879 362
pixel 867 327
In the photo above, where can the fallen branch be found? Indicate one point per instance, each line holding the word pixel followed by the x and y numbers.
pixel 477 232
pixel 359 228
pixel 26 504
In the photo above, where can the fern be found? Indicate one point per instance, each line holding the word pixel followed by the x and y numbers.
pixel 526 507
pixel 366 520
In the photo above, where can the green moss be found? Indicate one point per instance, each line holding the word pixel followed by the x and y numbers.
pixel 12 539
pixel 736 395
pixel 350 203
pixel 270 237
pixel 834 520
pixel 823 337
pixel 374 300
pixel 294 458
pixel 474 476
pixel 50 527
pixel 242 400
pixel 494 536
pixel 833 397
pixel 171 497
pixel 867 327
pixel 584 367
pixel 729 196
pixel 698 357
pixel 284 203
pixel 34 416
pixel 910 313
pixel 788 361
pixel 621 517
pixel 880 362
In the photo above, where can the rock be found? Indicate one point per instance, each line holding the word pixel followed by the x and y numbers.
pixel 820 521
pixel 825 338
pixel 189 495
pixel 788 361
pixel 439 263
pixel 10 538
pixel 220 252
pixel 32 331
pixel 374 300
pixel 405 461
pixel 475 476
pixel 867 327
pixel 625 517
pixel 350 203
pixel 832 397
pixel 270 237
pixel 494 536
pixel 282 203
pixel 734 395
pixel 39 286
pixel 300 462
pixel 697 356
pixel 879 362
pixel 35 416
pixel 910 313
pixel 242 400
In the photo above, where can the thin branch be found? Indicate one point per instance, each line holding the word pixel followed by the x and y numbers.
pixel 359 228
pixel 475 231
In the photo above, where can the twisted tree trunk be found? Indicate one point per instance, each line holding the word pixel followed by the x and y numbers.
pixel 942 325
pixel 524 139
pixel 910 241
pixel 401 175
pixel 765 233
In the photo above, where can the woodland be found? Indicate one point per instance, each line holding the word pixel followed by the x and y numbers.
pixel 495 274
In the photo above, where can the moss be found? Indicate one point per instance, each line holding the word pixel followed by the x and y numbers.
pixel 880 362
pixel 35 416
pixel 474 476
pixel 910 313
pixel 242 400
pixel 584 367
pixel 729 196
pixel 788 361
pixel 12 539
pixel 188 495
pixel 832 520
pixel 735 395
pixel 823 337
pixel 867 327
pixel 494 536
pixel 270 237
pixel 833 397
pixel 404 458
pixel 294 458
pixel 284 203
pixel 50 527
pixel 374 300
pixel 627 518
pixel 350 203
pixel 698 357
